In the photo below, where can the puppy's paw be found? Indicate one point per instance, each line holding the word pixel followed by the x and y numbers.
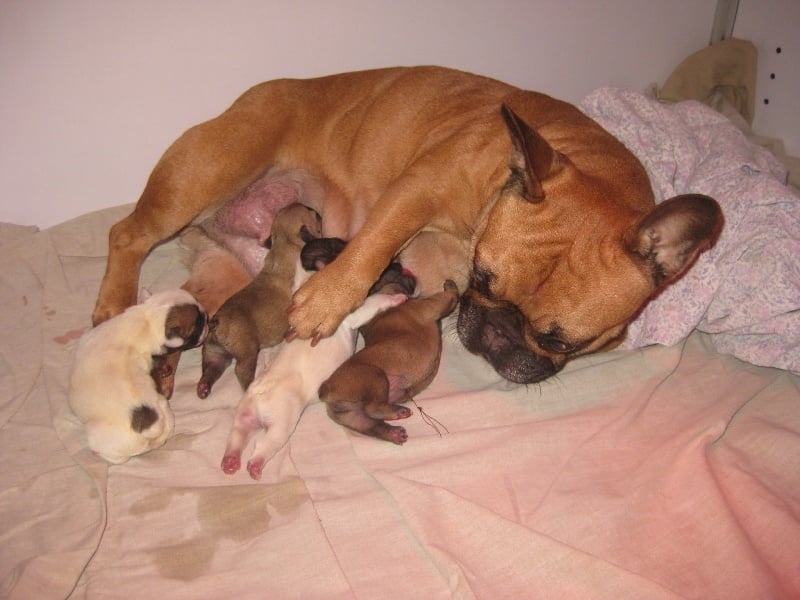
pixel 231 463
pixel 320 305
pixel 397 435
pixel 255 467
pixel 203 389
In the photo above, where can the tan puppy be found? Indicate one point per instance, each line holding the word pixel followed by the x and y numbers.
pixel 255 317
pixel 111 389
pixel 400 358
pixel 566 244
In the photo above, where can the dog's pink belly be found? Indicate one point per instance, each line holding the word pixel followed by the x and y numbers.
pixel 243 225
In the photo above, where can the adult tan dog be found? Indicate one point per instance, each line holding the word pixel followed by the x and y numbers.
pixel 566 241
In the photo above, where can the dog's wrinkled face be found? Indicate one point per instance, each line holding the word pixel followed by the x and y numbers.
pixel 560 267
pixel 533 306
pixel 186 327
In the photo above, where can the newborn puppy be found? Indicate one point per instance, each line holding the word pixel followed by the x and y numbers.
pixel 111 388
pixel 402 349
pixel 276 399
pixel 321 251
pixel 256 316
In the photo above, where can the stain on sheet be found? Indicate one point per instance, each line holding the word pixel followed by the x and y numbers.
pixel 238 513
pixel 69 336
pixel 186 561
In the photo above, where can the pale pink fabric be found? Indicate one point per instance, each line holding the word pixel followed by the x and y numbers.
pixel 656 473
pixel 746 291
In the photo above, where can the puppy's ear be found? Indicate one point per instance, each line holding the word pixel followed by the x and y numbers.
pixel 306 235
pixel 674 233
pixel 532 161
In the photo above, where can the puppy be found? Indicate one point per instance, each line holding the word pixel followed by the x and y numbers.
pixel 402 349
pixel 276 399
pixel 565 241
pixel 111 388
pixel 255 317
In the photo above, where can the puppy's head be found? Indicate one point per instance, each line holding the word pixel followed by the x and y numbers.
pixel 394 280
pixel 296 224
pixel 570 253
pixel 185 321
pixel 317 253
pixel 322 251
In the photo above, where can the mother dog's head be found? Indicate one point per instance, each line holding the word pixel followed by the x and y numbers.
pixel 569 253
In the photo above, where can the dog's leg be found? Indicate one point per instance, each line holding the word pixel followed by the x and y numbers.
pixel 163 372
pixel 215 360
pixel 356 398
pixel 279 416
pixel 246 361
pixel 321 303
pixel 244 424
pixel 352 414
pixel 208 165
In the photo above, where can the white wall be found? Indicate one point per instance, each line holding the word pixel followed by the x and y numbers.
pixel 773 24
pixel 93 91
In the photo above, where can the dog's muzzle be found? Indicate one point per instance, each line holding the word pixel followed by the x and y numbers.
pixel 496 335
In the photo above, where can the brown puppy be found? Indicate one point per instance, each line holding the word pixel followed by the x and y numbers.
pixel 255 316
pixel 566 244
pixel 400 358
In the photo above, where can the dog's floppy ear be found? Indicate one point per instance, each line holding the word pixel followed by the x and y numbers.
pixel 674 233
pixel 533 159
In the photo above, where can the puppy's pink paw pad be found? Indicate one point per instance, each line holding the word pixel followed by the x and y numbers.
pixel 401 412
pixel 231 463
pixel 254 467
pixel 203 389
pixel 398 435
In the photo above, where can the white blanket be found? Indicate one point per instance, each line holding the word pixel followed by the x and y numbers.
pixel 746 291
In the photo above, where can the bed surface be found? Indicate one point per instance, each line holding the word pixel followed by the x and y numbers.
pixel 648 472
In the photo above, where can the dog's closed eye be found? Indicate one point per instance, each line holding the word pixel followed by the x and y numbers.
pixel 554 345
pixel 482 281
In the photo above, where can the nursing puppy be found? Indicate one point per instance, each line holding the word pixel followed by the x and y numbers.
pixel 276 399
pixel 565 242
pixel 111 388
pixel 402 349
pixel 256 316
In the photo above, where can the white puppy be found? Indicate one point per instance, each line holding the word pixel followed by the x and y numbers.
pixel 277 397
pixel 112 390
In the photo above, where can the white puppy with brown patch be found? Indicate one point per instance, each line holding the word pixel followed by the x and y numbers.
pixel 112 390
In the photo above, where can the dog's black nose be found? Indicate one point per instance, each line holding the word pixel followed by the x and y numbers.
pixel 496 335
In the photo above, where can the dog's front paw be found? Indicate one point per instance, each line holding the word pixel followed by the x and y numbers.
pixel 110 304
pixel 320 305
